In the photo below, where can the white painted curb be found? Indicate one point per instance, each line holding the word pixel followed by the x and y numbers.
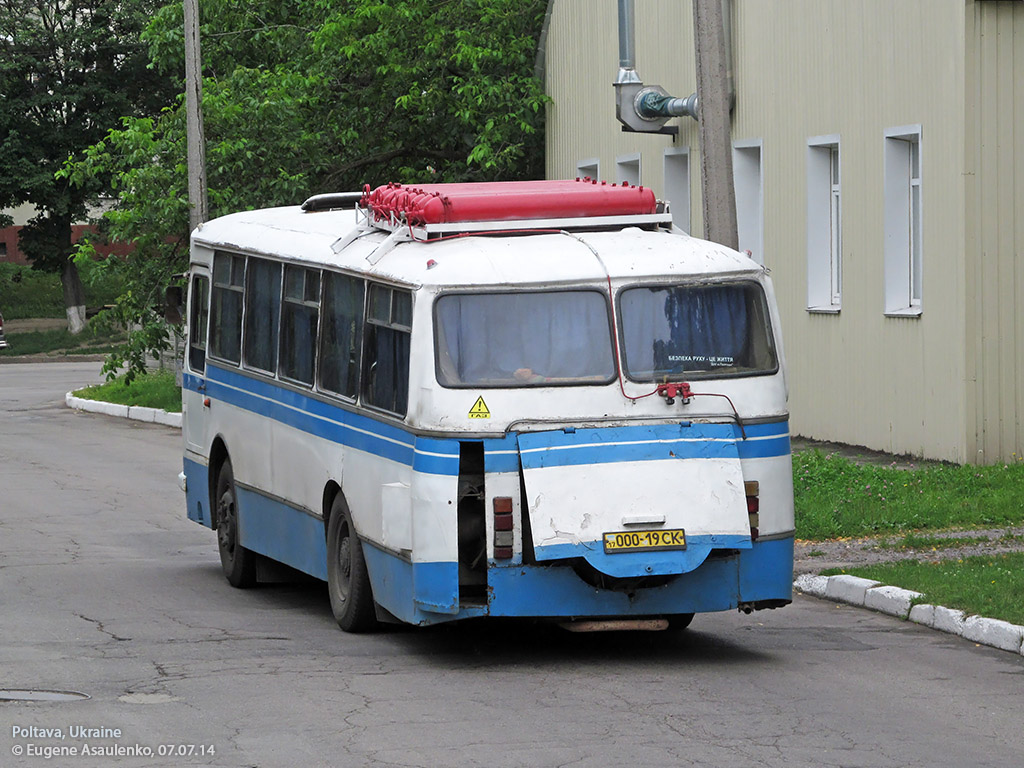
pixel 135 412
pixel 898 602
pixel 848 589
pixel 998 634
pixel 811 585
pixel 891 600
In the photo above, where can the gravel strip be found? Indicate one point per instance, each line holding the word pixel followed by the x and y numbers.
pixel 817 556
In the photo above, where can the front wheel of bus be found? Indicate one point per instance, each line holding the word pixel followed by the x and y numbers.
pixel 347 579
pixel 239 563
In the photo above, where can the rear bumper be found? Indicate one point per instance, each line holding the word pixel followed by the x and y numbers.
pixel 763 572
pixel 761 575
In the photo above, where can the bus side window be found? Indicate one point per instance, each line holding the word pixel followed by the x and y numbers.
pixel 262 309
pixel 299 314
pixel 386 358
pixel 198 322
pixel 341 334
pixel 226 306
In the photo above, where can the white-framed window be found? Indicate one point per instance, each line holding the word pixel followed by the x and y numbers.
pixel 677 185
pixel 904 273
pixel 824 225
pixel 748 182
pixel 590 167
pixel 627 169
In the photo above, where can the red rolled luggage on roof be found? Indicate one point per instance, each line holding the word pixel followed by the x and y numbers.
pixel 506 201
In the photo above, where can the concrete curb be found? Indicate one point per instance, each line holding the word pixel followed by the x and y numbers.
pixel 135 412
pixel 898 602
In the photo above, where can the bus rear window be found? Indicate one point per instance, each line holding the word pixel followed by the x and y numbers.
pixel 694 331
pixel 524 339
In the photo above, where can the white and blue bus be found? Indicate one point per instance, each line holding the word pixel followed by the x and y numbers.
pixel 535 399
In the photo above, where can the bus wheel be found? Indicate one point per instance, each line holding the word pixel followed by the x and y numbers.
pixel 239 563
pixel 679 620
pixel 347 580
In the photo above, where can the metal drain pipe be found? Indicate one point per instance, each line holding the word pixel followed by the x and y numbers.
pixel 643 108
pixel 646 108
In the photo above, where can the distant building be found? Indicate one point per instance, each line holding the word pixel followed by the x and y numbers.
pixel 10 253
pixel 879 171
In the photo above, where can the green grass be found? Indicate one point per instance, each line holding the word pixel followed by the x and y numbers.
pixel 152 390
pixel 837 498
pixel 92 340
pixel 27 292
pixel 991 586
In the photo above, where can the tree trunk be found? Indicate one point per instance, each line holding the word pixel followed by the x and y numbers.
pixel 74 293
pixel 74 296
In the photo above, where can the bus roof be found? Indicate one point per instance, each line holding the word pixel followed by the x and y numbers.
pixel 343 239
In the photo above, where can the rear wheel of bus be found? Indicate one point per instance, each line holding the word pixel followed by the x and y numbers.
pixel 347 579
pixel 239 563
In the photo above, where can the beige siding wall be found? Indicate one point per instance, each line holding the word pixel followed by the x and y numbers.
pixel 582 63
pixel 808 68
pixel 994 147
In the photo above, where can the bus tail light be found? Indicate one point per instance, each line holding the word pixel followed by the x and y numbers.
pixel 753 490
pixel 503 528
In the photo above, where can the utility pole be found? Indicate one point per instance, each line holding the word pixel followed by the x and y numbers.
pixel 714 126
pixel 194 118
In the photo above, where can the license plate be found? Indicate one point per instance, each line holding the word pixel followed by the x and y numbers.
pixel 644 541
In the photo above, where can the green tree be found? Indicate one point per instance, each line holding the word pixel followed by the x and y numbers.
pixel 310 96
pixel 441 90
pixel 69 70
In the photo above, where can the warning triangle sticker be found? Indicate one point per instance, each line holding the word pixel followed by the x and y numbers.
pixel 479 410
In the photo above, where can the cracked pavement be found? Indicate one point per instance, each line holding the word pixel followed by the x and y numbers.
pixel 106 588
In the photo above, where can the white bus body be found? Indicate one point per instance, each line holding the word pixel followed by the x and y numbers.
pixel 392 374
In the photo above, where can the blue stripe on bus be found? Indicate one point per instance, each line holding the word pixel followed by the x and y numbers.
pixel 650 443
pixel 302 401
pixel 436 457
pixel 441 456
pixel 501 454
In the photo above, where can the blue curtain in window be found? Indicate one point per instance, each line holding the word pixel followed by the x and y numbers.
pixel 707 328
pixel 671 331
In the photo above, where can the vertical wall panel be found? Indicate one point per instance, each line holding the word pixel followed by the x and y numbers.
pixel 995 241
pixel 808 68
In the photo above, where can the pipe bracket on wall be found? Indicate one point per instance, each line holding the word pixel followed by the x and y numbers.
pixel 643 108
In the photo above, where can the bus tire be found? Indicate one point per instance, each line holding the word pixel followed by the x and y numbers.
pixel 239 563
pixel 348 582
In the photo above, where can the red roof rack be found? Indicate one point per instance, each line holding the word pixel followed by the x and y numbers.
pixel 426 204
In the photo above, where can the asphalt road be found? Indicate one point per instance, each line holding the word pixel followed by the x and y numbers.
pixel 107 589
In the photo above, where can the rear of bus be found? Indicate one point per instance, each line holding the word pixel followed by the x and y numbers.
pixel 615 447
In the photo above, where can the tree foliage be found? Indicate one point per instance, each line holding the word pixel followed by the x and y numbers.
pixel 69 70
pixel 309 96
